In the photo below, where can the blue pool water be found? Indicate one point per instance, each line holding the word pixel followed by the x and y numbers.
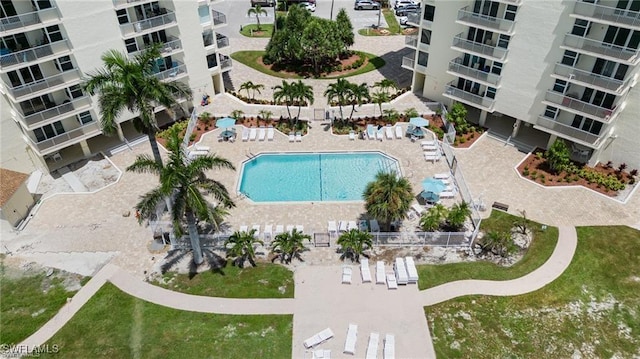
pixel 296 177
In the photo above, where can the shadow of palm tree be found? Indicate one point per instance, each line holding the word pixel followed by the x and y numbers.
pixel 212 261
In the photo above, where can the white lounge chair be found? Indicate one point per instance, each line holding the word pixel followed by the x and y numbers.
pixel 441 176
pixel 268 232
pixel 343 226
pixel 432 156
pixel 412 272
pixel 447 194
pixel 298 137
pixel 347 272
pixel 202 148
pixel 389 346
pixel 392 283
pixel 290 228
pixel 429 147
pixel 352 338
pixel 292 137
pixel 322 354
pixel 399 132
pixel 371 132
pixel 332 228
pixel 245 134
pixel 270 133
pixel 256 227
pixel 401 271
pixel 279 229
pixel 262 133
pixel 372 348
pixel 365 271
pixel 388 131
pixel 319 338
pixel 428 143
pixel 418 208
pixel 253 134
pixel 195 153
pixel 244 228
pixel 352 225
pixel 352 135
pixel 380 134
pixel 380 273
pixel 373 224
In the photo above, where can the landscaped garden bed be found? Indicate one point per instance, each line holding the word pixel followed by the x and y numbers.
pixel 462 140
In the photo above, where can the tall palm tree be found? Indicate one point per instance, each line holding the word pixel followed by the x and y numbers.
pixel 339 91
pixel 257 11
pixel 125 84
pixel 388 197
pixel 379 98
pixel 385 85
pixel 458 215
pixel 358 95
pixel 256 88
pixel 354 243
pixel 289 245
pixel 185 181
pixel 303 94
pixel 285 93
pixel 246 86
pixel 242 247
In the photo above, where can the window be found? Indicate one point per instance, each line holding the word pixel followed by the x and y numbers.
pixel 85 117
pixel 581 28
pixel 491 92
pixel 587 124
pixel 503 41
pixel 510 12
pixel 212 61
pixel 48 131
pixel 497 68
pixel 131 45
pixel 207 38
pixel 36 104
pixel 123 18
pixel 425 37
pixel 560 86
pixel 63 63
pixel 551 112
pixel 25 75
pixel 53 33
pixel 74 92
pixel 429 12
pixel 569 58
pixel 423 58
pixel 42 4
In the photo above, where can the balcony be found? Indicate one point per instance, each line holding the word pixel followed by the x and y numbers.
pixel 408 62
pixel 484 103
pixel 411 41
pixel 414 19
pixel 155 23
pixel 56 113
pixel 511 2
pixel 607 15
pixel 225 63
pixel 170 47
pixel 550 125
pixel 578 107
pixel 458 69
pixel 22 22
pixel 601 49
pixel 176 71
pixel 121 4
pixel 490 23
pixel 48 84
pixel 22 58
pixel 76 135
pixel 464 45
pixel 218 18
pixel 588 79
pixel 222 41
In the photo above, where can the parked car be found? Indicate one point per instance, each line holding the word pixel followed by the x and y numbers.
pixel 404 10
pixel 307 5
pixel 269 3
pixel 366 5
pixel 400 3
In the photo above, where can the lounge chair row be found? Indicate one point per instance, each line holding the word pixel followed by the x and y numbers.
pixel 405 270
pixel 333 227
pixel 379 133
pixel 269 231
pixel 295 137
pixel 251 134
pixel 372 345
pixel 431 150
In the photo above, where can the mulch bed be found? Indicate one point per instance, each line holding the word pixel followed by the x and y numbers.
pixel 461 141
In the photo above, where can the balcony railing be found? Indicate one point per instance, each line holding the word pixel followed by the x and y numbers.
pixel 572 133
pixel 49 145
pixel 413 18
pixel 459 69
pixel 609 15
pixel 564 101
pixel 46 83
pixel 222 41
pixel 118 4
pixel 468 97
pixel 34 53
pixel 614 52
pixel 60 110
pixel 511 2
pixel 172 44
pixel 408 62
pixel 496 53
pixel 411 41
pixel 139 26
pixel 225 63
pixel 28 19
pixel 218 18
pixel 467 17
pixel 172 72
pixel 586 78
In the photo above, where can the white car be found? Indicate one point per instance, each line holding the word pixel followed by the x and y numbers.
pixel 399 3
pixel 307 5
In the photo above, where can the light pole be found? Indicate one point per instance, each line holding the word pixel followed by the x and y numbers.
pixel 331 14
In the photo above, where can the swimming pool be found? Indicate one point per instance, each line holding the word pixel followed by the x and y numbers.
pixel 304 177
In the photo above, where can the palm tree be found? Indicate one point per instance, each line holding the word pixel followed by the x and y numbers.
pixel 358 95
pixel 257 11
pixel 303 94
pixel 385 85
pixel 256 88
pixel 246 86
pixel 185 181
pixel 266 115
pixel 379 98
pixel 242 248
pixel 433 218
pixel 125 84
pixel 340 91
pixel 284 93
pixel 354 243
pixel 458 215
pixel 388 197
pixel 289 245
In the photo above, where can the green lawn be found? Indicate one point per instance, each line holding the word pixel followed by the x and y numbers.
pixel 248 30
pixel 250 58
pixel 267 280
pixel 115 325
pixel 594 307
pixel 539 251
pixel 394 27
pixel 27 303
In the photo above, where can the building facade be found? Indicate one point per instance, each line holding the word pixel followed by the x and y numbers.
pixel 47 47
pixel 540 69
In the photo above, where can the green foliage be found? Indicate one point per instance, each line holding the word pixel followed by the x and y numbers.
pixel 339 93
pixel 457 215
pixel 289 245
pixel 236 114
pixel 353 244
pixel 558 156
pixel 180 127
pixel 251 30
pixel 411 112
pixel 265 115
pixel 458 117
pixel 388 197
pixel 242 247
pixel 392 115
pixel 499 243
pixel 344 30
pixel 432 220
pixel 257 11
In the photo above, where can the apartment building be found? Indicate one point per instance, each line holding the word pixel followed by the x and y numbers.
pixel 47 47
pixel 540 70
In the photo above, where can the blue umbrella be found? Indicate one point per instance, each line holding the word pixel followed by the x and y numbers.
pixel 433 185
pixel 419 121
pixel 225 122
pixel 430 196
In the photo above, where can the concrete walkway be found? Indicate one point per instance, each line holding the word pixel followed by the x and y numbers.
pixel 321 301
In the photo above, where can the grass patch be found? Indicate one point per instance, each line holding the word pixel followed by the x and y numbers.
pixel 267 280
pixel 250 58
pixel 27 303
pixel 593 308
pixel 393 29
pixel 540 250
pixel 115 325
pixel 249 30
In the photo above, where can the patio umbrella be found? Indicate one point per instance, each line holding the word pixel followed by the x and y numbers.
pixel 433 185
pixel 430 196
pixel 225 122
pixel 419 121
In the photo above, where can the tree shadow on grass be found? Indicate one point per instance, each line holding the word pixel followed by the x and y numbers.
pixel 212 261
